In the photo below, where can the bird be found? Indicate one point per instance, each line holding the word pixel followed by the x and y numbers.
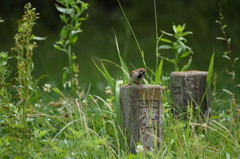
pixel 137 76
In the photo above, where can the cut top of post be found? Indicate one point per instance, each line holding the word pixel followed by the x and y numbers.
pixel 189 73
pixel 144 92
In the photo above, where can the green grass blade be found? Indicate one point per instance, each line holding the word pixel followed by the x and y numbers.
pixel 108 76
pixel 208 81
pixel 210 71
pixel 118 110
pixel 111 62
pixel 139 48
pixel 105 74
pixel 123 65
pixel 159 72
pixel 66 126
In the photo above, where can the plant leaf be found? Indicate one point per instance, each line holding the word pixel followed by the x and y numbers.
pixel 165 47
pixel 227 91
pixel 220 38
pixel 159 72
pixel 73 39
pixel 56 90
pixel 226 57
pixel 123 65
pixel 210 71
pixel 64 32
pixel 185 54
pixel 38 38
pixel 165 40
pixel 105 74
pixel 169 34
pixel 64 10
pixel 185 67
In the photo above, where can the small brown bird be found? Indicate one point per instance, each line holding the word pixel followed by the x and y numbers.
pixel 137 76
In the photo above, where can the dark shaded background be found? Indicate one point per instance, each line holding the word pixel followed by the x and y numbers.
pixel 97 40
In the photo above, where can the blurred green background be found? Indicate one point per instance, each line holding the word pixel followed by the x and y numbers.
pixel 97 39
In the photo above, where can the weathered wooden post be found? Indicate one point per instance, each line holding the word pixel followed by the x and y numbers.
pixel 142 110
pixel 188 88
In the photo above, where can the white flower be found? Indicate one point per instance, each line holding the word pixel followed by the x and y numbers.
pixel 108 90
pixel 139 148
pixel 47 88
pixel 108 100
pixel 37 105
pixel 67 84
pixel 84 101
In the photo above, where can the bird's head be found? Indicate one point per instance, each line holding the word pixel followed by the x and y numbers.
pixel 141 72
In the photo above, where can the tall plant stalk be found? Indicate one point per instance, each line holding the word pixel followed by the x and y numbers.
pixel 72 16
pixel 24 49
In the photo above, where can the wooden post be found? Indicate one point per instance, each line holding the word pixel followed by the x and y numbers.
pixel 189 88
pixel 142 110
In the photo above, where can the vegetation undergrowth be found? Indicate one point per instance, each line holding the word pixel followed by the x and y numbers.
pixel 46 122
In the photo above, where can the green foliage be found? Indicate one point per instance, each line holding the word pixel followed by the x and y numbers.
pixel 17 96
pixel 132 31
pixel 232 62
pixel 72 16
pixel 25 85
pixel 5 72
pixel 177 46
pixel 210 71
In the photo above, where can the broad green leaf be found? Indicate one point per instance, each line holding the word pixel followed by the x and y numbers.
pixel 64 10
pixel 172 61
pixel 38 38
pixel 224 26
pixel 210 71
pixel 76 31
pixel 220 38
pixel 183 27
pixel 59 48
pixel 229 41
pixel 226 57
pixel 73 39
pixel 64 18
pixel 179 51
pixel 174 28
pixel 187 33
pixel 165 47
pixel 64 32
pixel 185 67
pixel 65 74
pixel 165 40
pixel 227 91
pixel 159 72
pixel 236 59
pixel 185 54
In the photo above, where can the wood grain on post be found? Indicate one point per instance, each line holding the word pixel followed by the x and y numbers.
pixel 189 88
pixel 142 108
